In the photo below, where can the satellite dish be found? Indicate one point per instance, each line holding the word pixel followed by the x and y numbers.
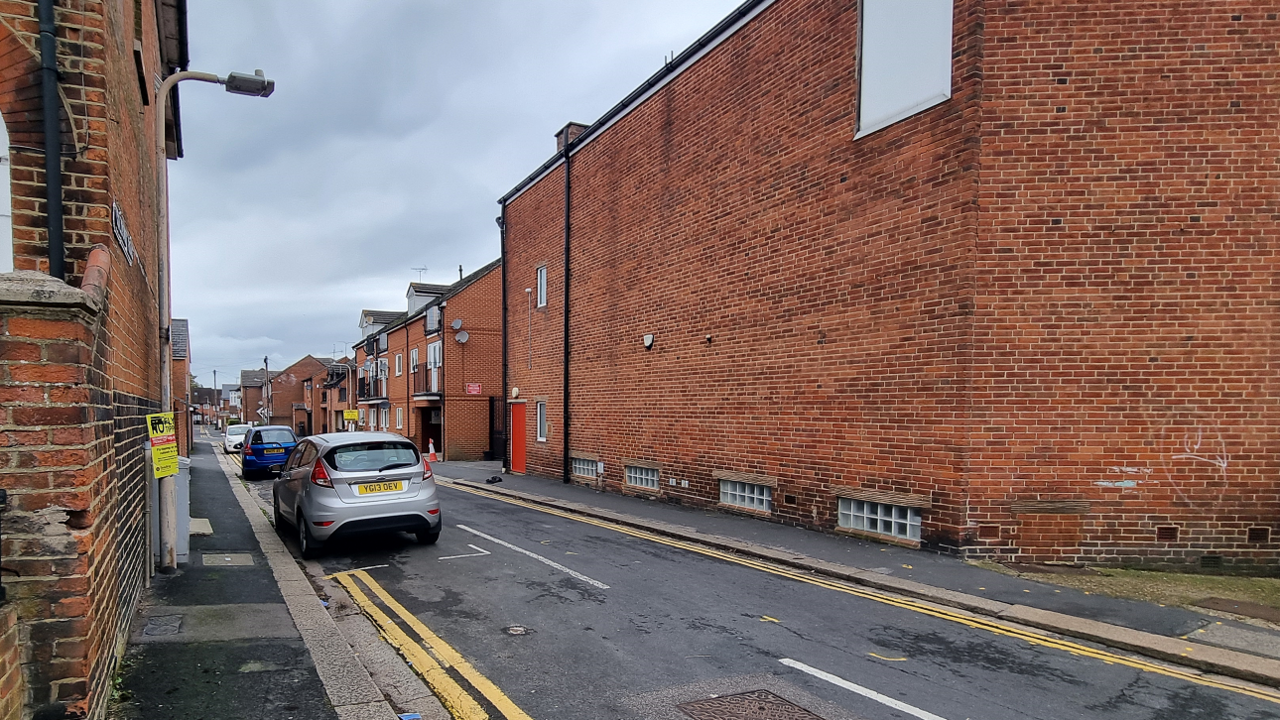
pixel 462 336
pixel 457 325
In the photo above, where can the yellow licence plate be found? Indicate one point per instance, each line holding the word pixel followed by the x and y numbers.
pixel 371 488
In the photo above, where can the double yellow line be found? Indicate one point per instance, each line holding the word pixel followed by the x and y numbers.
pixel 972 621
pixel 439 664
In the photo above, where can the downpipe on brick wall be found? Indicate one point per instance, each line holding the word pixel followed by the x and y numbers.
pixel 506 418
pixel 52 138
pixel 568 187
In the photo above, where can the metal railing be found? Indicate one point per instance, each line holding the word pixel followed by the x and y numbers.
pixel 425 381
pixel 369 388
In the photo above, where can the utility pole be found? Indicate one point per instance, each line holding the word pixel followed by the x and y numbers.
pixel 266 388
pixel 217 398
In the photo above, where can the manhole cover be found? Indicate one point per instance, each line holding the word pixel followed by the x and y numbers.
pixel 516 630
pixel 754 705
pixel 226 559
pixel 161 625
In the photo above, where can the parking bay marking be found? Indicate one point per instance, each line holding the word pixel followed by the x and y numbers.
pixel 474 554
pixel 972 621
pixel 863 691
pixel 536 556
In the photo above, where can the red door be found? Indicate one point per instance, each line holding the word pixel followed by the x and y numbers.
pixel 516 430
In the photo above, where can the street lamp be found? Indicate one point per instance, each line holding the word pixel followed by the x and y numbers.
pixel 256 85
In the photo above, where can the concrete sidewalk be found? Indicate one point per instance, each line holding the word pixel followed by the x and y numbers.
pixel 1219 646
pixel 241 633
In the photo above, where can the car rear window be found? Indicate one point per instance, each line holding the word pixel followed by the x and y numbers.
pixel 237 429
pixel 372 456
pixel 279 436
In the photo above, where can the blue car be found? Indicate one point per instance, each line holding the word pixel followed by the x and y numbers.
pixel 265 451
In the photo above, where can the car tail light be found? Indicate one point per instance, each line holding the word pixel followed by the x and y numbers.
pixel 426 471
pixel 434 512
pixel 323 523
pixel 320 476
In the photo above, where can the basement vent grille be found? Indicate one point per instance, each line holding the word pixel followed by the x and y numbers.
pixel 1259 535
pixel 747 496
pixel 1211 562
pixel 1168 533
pixel 642 477
pixel 882 518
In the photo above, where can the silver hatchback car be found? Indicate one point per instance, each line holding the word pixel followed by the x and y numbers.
pixel 355 482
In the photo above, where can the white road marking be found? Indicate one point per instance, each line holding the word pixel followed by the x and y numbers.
pixel 865 692
pixel 537 557
pixel 474 554
pixel 366 567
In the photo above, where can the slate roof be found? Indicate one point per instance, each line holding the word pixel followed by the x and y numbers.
pixel 253 378
pixel 381 317
pixel 179 338
pixel 428 288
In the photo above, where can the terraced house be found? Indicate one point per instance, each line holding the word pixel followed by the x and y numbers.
pixel 433 373
pixel 1015 302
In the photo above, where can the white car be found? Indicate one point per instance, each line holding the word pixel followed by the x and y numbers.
pixel 233 437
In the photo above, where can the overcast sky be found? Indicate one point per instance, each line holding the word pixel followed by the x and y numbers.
pixel 393 130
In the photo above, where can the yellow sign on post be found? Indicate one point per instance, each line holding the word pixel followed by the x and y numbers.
pixel 164 444
pixel 351 415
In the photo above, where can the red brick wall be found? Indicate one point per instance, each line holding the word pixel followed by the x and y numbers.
pixel 1044 304
pixel 830 275
pixel 12 688
pixel 76 388
pixel 287 389
pixel 479 360
pixel 1125 324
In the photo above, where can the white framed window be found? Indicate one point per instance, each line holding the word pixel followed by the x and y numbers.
pixel 362 420
pixel 435 358
pixel 749 496
pixel 382 367
pixel 883 518
pixel 542 421
pixel 904 60
pixel 385 417
pixel 542 286
pixel 399 364
pixel 399 418
pixel 642 477
pixel 413 360
pixel 584 467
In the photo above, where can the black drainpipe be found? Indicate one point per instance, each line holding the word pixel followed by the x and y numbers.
pixel 502 408
pixel 52 138
pixel 568 463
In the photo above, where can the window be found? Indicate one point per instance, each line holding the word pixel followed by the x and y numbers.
pixel 542 421
pixel 324 396
pixel 413 360
pixel 385 417
pixel 399 364
pixel 746 495
pixel 905 60
pixel 642 477
pixel 382 342
pixel 542 286
pixel 342 394
pixel 431 322
pixel 584 467
pixel 399 418
pixel 895 520
pixel 372 456
pixel 382 367
pixel 362 416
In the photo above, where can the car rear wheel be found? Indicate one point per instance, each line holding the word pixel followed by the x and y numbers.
pixel 279 516
pixel 308 546
pixel 429 536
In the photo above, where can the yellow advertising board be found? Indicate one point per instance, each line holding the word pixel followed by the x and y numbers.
pixel 164 444
pixel 351 415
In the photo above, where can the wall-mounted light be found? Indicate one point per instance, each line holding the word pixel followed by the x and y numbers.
pixel 648 341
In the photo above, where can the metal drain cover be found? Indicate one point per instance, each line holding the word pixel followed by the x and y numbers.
pixel 754 705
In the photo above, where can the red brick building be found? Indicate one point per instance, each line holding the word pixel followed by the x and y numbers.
pixel 434 372
pixel 1024 310
pixel 253 396
pixel 287 399
pixel 80 359
pixel 327 394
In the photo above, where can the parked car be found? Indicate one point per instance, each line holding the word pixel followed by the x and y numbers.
pixel 233 438
pixel 266 451
pixel 338 484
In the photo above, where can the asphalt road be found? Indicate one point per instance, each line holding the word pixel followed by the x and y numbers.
pixel 575 620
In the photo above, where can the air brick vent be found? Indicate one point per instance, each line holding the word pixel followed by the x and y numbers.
pixel 1168 533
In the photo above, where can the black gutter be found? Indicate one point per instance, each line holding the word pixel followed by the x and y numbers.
pixel 506 421
pixel 568 187
pixel 52 138
pixel 654 80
